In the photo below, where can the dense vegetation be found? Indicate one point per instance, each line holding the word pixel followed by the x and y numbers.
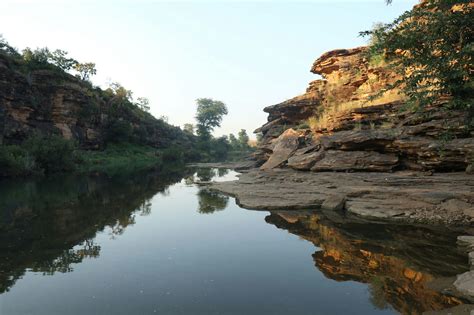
pixel 431 46
pixel 40 155
pixel 131 137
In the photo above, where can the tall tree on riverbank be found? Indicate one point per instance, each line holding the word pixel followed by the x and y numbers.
pixel 209 116
pixel 244 139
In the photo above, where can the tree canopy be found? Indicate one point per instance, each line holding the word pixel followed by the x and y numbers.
pixel 85 70
pixel 209 115
pixel 243 139
pixel 189 128
pixel 431 46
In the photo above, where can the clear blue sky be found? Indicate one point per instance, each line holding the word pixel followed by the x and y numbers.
pixel 246 54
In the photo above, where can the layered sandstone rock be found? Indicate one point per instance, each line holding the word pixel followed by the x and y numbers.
pixel 350 118
pixel 446 199
pixel 50 102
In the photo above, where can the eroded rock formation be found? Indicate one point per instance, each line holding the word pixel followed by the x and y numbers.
pixel 50 102
pixel 344 123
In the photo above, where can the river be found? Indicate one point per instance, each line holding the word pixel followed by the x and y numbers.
pixel 162 243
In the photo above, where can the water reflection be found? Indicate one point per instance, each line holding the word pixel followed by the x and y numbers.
pixel 211 201
pixel 49 225
pixel 400 264
pixel 205 174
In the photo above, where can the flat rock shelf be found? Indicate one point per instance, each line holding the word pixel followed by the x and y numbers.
pixel 416 197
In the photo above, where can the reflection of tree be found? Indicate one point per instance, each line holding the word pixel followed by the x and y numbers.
pixel 189 181
pixel 222 172
pixel 205 174
pixel 48 225
pixel 63 262
pixel 211 201
pixel 145 208
pixel 121 224
pixel 377 293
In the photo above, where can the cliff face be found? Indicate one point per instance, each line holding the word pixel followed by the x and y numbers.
pixel 49 102
pixel 343 122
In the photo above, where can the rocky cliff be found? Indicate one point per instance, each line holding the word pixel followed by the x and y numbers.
pixel 344 122
pixel 54 102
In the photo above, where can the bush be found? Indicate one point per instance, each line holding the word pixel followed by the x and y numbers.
pixel 15 161
pixel 37 154
pixel 118 131
pixel 173 155
pixel 51 154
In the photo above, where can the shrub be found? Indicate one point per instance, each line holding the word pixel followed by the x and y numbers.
pixel 15 161
pixel 172 155
pixel 118 131
pixel 51 154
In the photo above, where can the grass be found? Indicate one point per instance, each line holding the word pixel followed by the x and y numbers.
pixel 332 110
pixel 41 156
pixel 377 60
pixel 120 158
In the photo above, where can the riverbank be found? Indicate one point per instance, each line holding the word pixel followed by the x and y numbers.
pixel 416 199
pixel 413 197
pixel 57 156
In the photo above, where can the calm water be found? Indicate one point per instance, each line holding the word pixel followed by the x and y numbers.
pixel 162 244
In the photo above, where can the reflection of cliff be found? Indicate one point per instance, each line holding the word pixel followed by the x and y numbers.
pixel 397 262
pixel 48 225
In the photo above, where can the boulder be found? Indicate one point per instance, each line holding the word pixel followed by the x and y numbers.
pixel 466 242
pixel 334 203
pixel 286 144
pixel 465 283
pixel 304 162
pixel 356 160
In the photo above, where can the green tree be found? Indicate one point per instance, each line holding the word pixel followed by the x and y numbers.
pixel 6 48
pixel 234 143
pixel 59 58
pixel 38 56
pixel 120 92
pixel 189 128
pixel 85 70
pixel 143 103
pixel 209 115
pixel 243 139
pixel 431 46
pixel 220 148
